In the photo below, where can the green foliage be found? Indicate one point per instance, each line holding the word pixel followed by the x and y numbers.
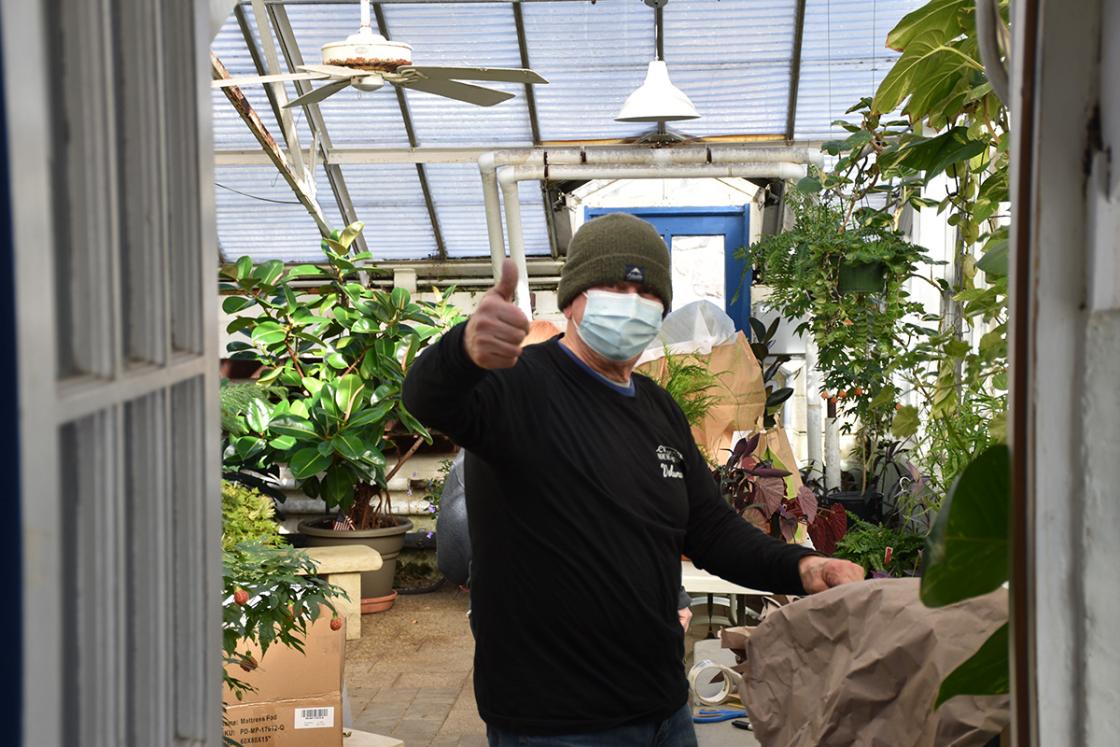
pixel 284 596
pixel 236 400
pixel 339 357
pixel 689 383
pixel 247 516
pixel 770 364
pixel 968 554
pixel 863 339
pixel 880 549
pixel 987 672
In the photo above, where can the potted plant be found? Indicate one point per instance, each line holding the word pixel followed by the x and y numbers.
pixel 759 489
pixel 269 591
pixel 337 351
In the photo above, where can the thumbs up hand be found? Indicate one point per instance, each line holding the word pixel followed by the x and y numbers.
pixel 495 330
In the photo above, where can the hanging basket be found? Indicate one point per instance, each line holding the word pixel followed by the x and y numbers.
pixel 862 277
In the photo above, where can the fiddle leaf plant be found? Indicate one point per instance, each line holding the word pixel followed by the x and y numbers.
pixel 339 351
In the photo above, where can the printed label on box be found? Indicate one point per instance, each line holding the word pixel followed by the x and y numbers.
pixel 314 718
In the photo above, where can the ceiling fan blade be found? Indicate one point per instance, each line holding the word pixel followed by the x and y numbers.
pixel 504 74
pixel 336 71
pixel 318 94
pixel 459 91
pixel 250 80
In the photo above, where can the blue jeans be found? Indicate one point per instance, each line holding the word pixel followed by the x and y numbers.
pixel 675 731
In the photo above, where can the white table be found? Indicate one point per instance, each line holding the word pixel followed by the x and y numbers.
pixel 696 580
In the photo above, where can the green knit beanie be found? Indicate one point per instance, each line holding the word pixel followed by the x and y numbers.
pixel 616 248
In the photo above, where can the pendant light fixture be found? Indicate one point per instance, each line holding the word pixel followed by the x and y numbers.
pixel 657 99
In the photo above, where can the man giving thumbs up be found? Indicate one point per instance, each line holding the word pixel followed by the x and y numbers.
pixel 584 487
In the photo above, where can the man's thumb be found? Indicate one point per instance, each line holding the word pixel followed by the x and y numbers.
pixel 507 284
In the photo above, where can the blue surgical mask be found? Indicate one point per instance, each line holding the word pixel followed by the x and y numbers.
pixel 619 326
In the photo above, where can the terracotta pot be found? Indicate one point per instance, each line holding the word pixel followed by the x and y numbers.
pixel 387 542
pixel 374 605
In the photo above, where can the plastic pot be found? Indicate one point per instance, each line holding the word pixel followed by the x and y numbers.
pixel 387 541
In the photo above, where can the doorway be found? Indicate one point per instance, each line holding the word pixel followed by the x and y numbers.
pixel 704 244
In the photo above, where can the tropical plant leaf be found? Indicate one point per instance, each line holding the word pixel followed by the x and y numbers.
pixel 244 267
pixel 298 428
pixel 807 501
pixel 337 487
pixel 967 552
pixel 829 528
pixel 258 416
pixel 268 333
pixel 772 491
pixel 905 422
pixel 985 673
pixel 935 21
pixel 933 155
pixel 995 262
pixel 234 304
pixel 307 462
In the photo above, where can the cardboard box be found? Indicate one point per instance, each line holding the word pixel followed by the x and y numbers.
pixel 298 701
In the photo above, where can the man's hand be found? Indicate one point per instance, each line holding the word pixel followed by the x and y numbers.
pixel 497 327
pixel 684 614
pixel 820 574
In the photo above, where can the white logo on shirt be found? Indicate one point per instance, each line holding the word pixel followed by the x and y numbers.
pixel 671 460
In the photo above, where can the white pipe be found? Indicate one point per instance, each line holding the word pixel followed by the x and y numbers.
pixel 489 163
pixel 812 406
pixel 509 176
pixel 517 248
pixel 832 453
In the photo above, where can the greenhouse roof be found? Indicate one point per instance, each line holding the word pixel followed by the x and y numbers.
pixel 407 166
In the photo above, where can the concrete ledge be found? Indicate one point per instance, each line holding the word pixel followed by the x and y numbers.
pixel 355 738
pixel 343 566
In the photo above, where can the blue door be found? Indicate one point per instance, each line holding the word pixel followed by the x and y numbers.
pixel 703 243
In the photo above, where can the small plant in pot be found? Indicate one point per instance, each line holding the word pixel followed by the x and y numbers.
pixel 758 488
pixel 338 351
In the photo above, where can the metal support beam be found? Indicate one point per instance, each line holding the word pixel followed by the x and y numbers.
pixel 272 150
pixel 292 55
pixel 659 42
pixel 383 29
pixel 258 58
pixel 534 125
pixel 287 124
pixel 795 67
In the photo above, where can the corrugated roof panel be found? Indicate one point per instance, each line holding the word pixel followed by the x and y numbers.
pixel 352 118
pixel 230 131
pixel 457 193
pixel 263 219
pixel 748 99
pixel 482 35
pixel 388 199
pixel 717 32
pixel 732 60
pixel 594 56
pixel 844 57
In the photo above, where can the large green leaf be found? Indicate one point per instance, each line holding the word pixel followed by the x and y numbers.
pixel 234 304
pixel 905 422
pixel 919 60
pixel 995 262
pixel 298 428
pixel 269 272
pixel 337 488
pixel 308 462
pixel 304 271
pixel 413 424
pixel 244 267
pixel 370 415
pixel 399 298
pixel 985 673
pixel 268 333
pixel 258 416
pixel 967 552
pixel 936 21
pixel 933 155
pixel 347 389
pixel 349 445
pixel 347 237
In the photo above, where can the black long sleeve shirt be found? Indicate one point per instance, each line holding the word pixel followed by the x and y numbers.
pixel 581 501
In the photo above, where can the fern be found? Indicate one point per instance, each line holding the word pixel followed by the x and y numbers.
pixel 235 401
pixel 689 382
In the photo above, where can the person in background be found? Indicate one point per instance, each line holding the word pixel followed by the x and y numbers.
pixel 584 487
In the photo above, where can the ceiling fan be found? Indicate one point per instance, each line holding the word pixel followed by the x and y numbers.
pixel 367 61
